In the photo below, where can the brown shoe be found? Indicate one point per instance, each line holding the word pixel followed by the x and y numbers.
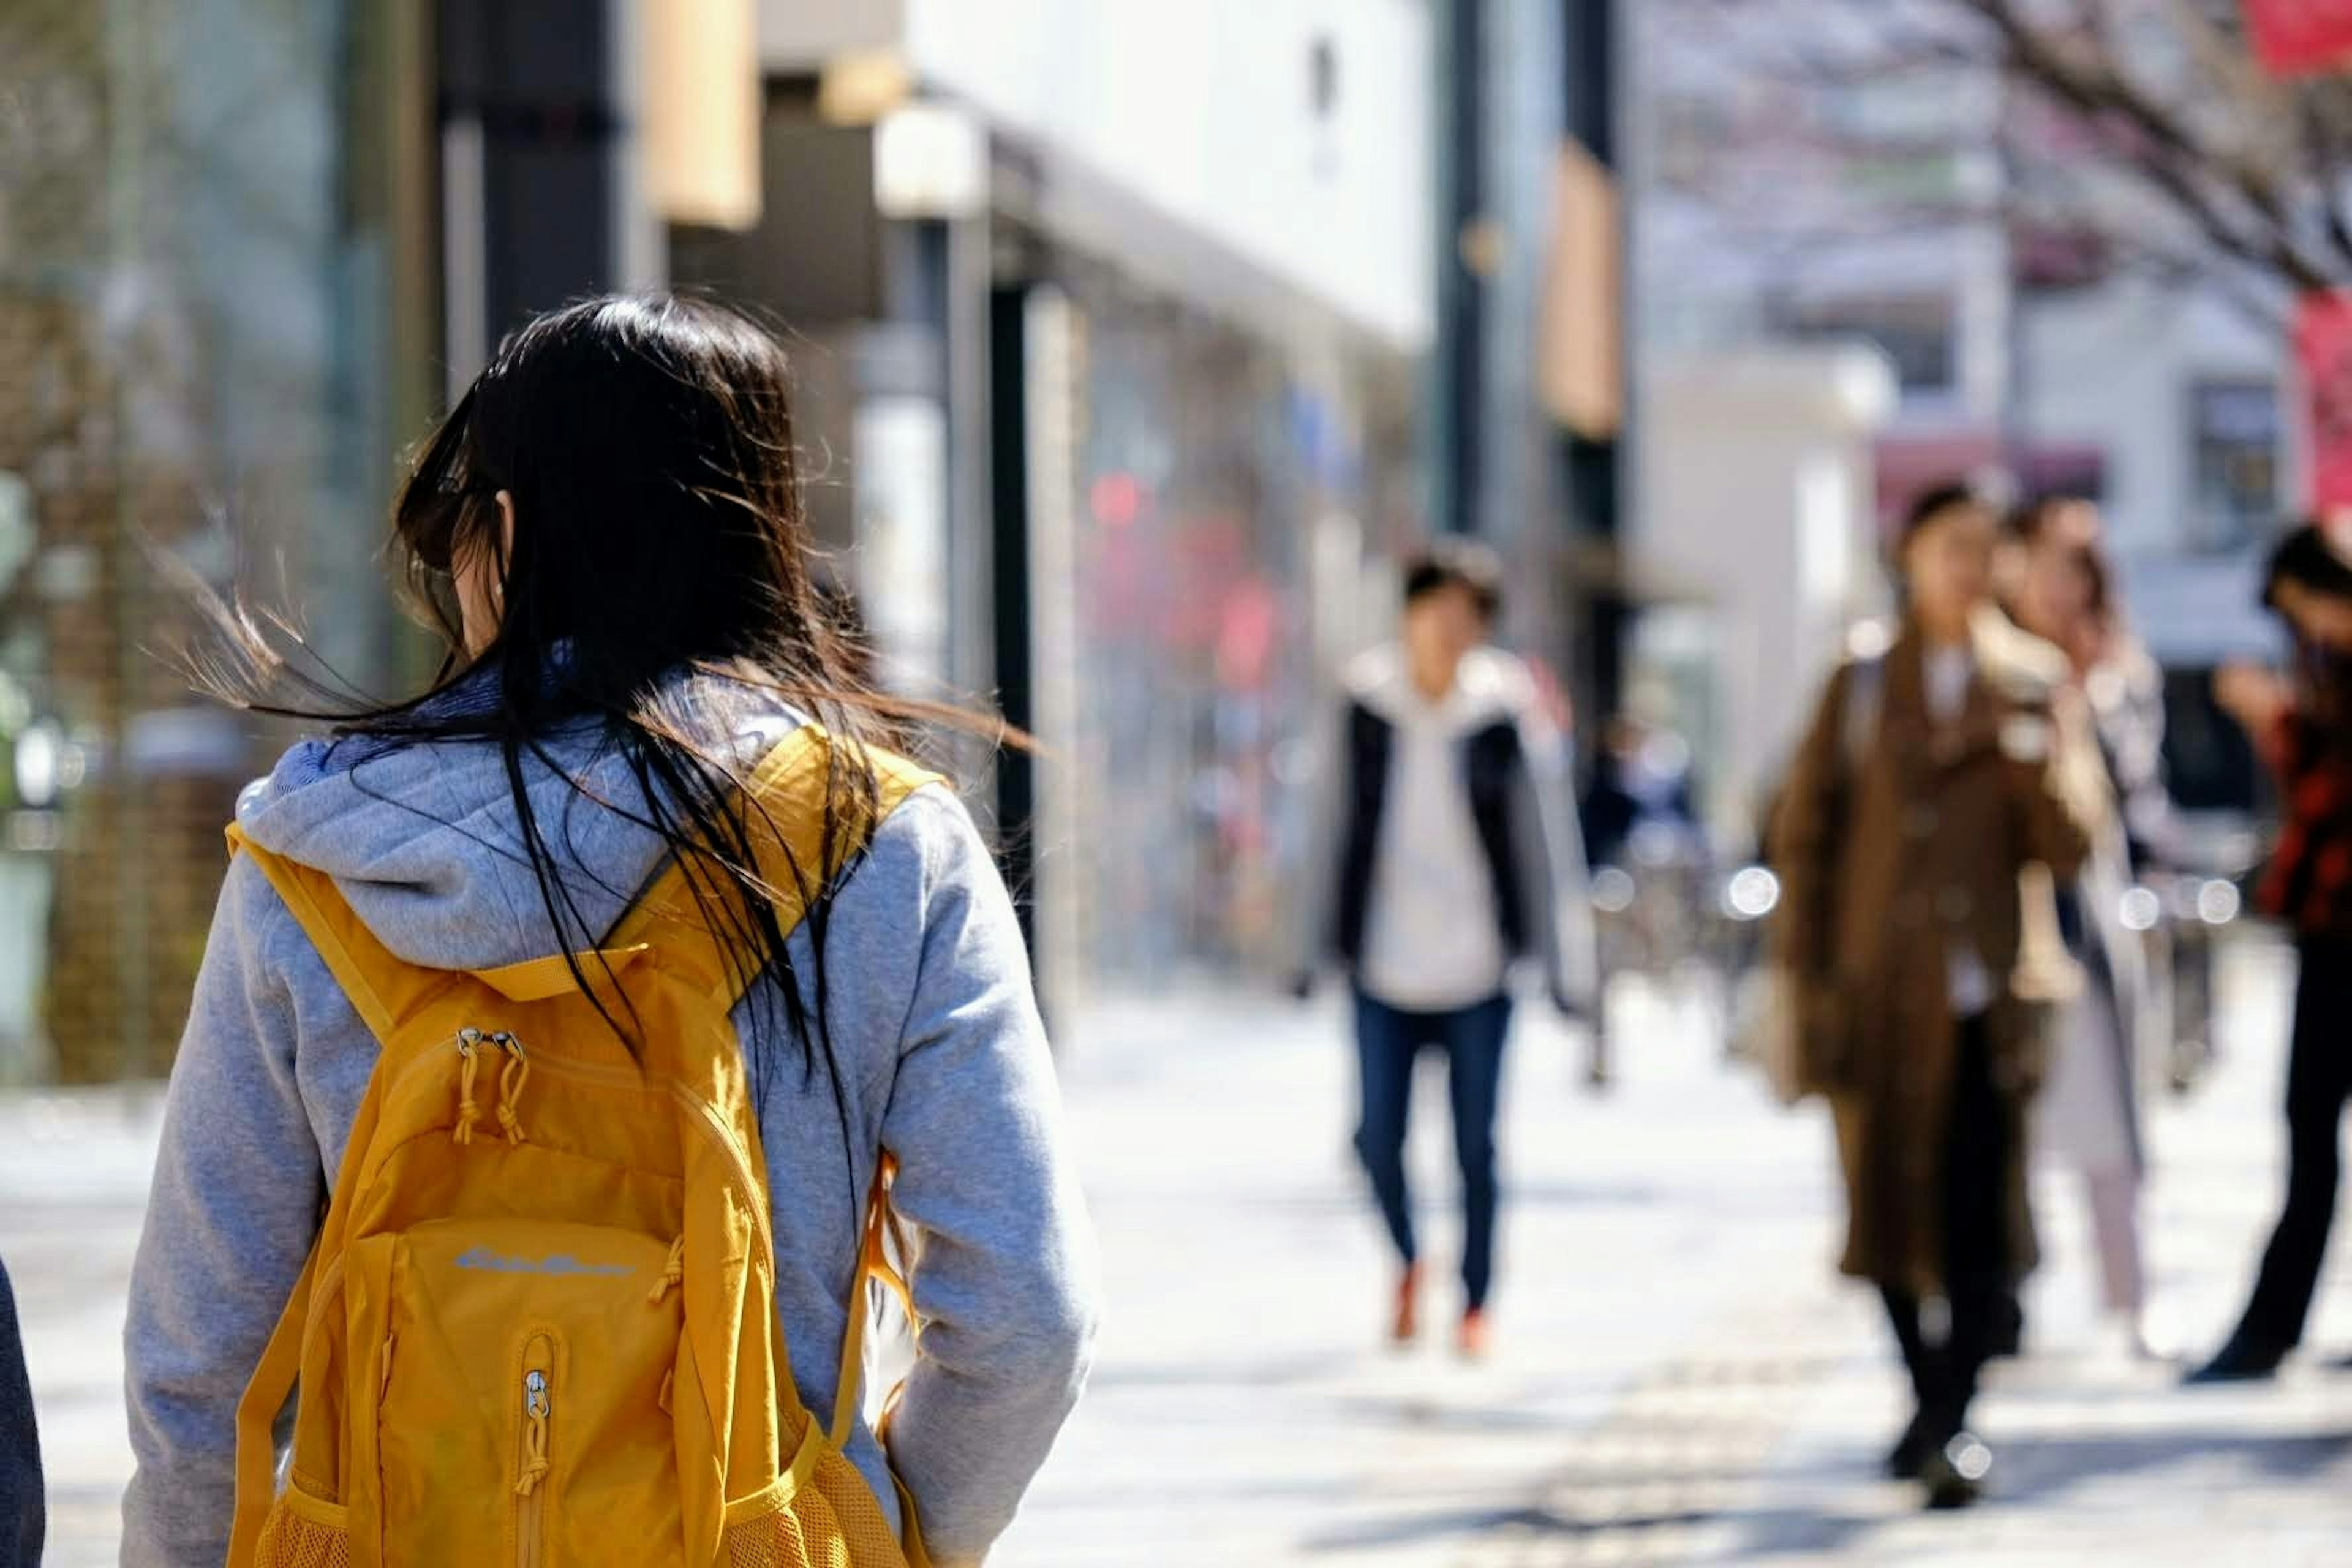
pixel 1405 1326
pixel 1470 1341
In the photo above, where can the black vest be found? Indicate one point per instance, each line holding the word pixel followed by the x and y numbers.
pixel 1491 762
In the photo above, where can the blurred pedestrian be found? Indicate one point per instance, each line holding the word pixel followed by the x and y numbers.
pixel 1919 804
pixel 1455 855
pixel 2301 725
pixel 609 532
pixel 1642 804
pixel 2061 589
pixel 23 1520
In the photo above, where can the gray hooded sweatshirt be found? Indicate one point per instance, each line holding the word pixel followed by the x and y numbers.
pixel 941 1054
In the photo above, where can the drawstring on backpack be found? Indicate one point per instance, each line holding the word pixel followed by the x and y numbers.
pixel 469 1042
pixel 510 1082
pixel 672 1275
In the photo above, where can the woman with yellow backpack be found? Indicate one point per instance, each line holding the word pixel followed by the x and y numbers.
pixel 578 1044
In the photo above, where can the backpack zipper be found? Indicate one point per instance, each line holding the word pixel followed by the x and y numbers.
pixel 531 1455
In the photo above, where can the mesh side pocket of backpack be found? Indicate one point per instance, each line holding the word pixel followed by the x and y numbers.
pixel 859 1516
pixel 290 1539
pixel 777 1536
pixel 830 1521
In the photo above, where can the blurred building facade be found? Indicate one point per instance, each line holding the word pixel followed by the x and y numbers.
pixel 1861 174
pixel 245 248
pixel 1527 383
pixel 1110 324
pixel 204 301
pixel 1119 309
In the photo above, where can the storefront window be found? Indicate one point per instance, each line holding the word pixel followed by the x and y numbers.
pixel 196 264
pixel 1193 639
pixel 2234 439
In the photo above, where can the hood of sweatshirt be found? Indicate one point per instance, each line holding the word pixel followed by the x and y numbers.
pixel 427 844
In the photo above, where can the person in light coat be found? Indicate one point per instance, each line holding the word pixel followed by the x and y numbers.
pixel 2088 1121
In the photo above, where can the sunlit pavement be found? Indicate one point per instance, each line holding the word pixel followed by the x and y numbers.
pixel 1676 1378
pixel 73 1183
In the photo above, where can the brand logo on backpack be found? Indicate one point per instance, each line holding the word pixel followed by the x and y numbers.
pixel 482 1257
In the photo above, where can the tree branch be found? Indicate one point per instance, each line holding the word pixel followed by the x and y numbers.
pixel 2179 163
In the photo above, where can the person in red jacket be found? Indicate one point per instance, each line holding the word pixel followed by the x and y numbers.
pixel 2302 722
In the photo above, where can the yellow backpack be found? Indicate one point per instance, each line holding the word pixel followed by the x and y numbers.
pixel 539 1325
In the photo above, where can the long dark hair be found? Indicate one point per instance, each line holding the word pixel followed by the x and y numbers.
pixel 660 579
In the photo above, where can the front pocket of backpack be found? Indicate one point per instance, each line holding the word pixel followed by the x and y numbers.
pixel 522 1394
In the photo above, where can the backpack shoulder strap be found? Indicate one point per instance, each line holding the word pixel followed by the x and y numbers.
pixel 786 821
pixel 383 989
pixel 788 792
pixel 380 985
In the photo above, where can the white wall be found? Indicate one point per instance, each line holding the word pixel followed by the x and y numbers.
pixel 1204 110
pixel 1755 482
pixel 2112 367
pixel 801 35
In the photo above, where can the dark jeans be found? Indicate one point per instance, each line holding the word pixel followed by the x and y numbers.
pixel 2318 1078
pixel 1974 1206
pixel 1388 1042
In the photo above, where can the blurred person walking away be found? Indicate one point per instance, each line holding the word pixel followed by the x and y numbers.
pixel 1650 860
pixel 23 1512
pixel 1920 804
pixel 645 759
pixel 2060 587
pixel 2301 725
pixel 1454 855
pixel 1642 804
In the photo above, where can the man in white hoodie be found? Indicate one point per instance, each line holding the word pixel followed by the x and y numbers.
pixel 1456 856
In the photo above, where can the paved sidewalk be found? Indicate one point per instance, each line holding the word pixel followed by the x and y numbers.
pixel 73 1184
pixel 1242 1411
pixel 1678 1378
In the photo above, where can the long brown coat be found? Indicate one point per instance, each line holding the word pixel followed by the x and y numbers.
pixel 1891 854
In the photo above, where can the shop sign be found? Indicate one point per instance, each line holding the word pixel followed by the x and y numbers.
pixel 2301 37
pixel 2323 342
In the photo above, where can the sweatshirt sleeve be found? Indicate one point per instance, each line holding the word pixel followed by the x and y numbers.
pixel 233 1208
pixel 1004 1269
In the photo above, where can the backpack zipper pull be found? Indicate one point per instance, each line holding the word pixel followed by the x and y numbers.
pixel 510 1082
pixel 673 1272
pixel 535 1404
pixel 469 1042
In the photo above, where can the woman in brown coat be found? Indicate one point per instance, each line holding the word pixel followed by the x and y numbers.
pixel 1922 820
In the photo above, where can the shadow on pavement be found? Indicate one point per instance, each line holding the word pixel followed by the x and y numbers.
pixel 1469 1524
pixel 1604 1502
pixel 2044 1468
pixel 1267 1372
